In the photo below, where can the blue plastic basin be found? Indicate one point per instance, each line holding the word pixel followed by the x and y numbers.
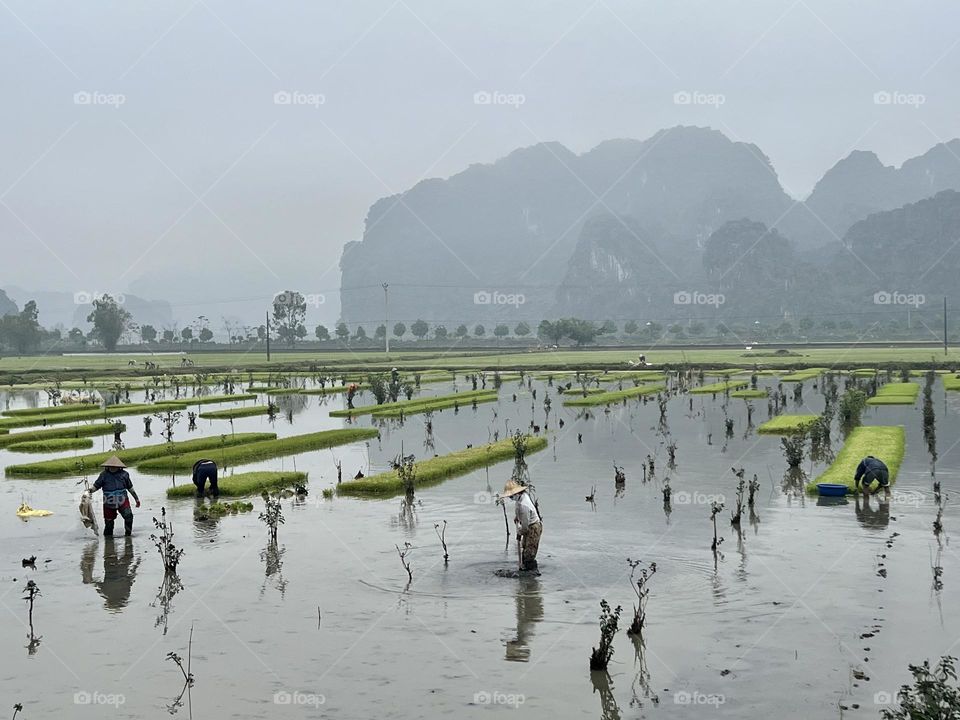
pixel 831 489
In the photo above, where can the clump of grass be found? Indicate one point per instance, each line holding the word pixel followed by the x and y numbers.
pixel 242 454
pixel 609 625
pixel 884 442
pixel 720 387
pixel 327 493
pixel 242 484
pixel 219 509
pixel 234 413
pixel 51 445
pixel 434 470
pixel 607 398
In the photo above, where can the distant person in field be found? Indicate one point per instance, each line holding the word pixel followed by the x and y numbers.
pixel 869 470
pixel 204 470
pixel 528 523
pixel 115 483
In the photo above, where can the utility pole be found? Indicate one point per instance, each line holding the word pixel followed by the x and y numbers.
pixel 268 336
pixel 386 318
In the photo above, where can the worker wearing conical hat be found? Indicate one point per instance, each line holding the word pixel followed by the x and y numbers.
pixel 115 483
pixel 528 522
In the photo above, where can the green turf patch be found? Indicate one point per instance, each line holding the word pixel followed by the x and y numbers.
pixel 749 394
pixel 614 396
pixel 92 414
pixel 864 372
pixel 52 445
pixel 802 375
pixel 727 372
pixel 53 410
pixel 435 470
pixel 714 388
pixel 951 382
pixel 241 484
pixel 896 393
pixel 884 442
pixel 75 431
pixel 217 510
pixel 786 424
pixel 464 398
pixel 430 404
pixel 257 451
pixel 211 446
pixel 233 413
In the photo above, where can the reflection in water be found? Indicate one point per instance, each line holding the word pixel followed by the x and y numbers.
pixel 641 689
pixel 872 516
pixel 119 570
pixel 272 556
pixel 794 484
pixel 205 527
pixel 529 602
pixel 609 710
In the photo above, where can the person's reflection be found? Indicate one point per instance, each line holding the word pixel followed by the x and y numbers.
pixel 119 570
pixel 872 516
pixel 529 602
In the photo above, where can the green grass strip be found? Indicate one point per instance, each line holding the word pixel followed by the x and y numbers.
pixel 884 442
pixel 53 410
pixel 786 424
pixel 802 375
pixel 92 414
pixel 864 372
pixel 438 469
pixel 951 382
pixel 52 445
pixel 464 398
pixel 896 393
pixel 257 451
pixel 719 387
pixel 233 413
pixel 74 431
pixel 429 404
pixel 241 484
pixel 614 396
pixel 749 394
pixel 210 446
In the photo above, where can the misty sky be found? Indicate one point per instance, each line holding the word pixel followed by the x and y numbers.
pixel 200 186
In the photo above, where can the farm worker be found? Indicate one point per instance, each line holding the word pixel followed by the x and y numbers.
pixel 870 469
pixel 527 520
pixel 115 483
pixel 204 470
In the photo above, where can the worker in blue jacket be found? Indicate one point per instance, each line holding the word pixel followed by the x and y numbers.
pixel 869 470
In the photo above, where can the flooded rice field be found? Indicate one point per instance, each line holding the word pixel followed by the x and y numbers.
pixel 812 610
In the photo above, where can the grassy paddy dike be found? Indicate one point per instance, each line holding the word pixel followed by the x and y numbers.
pixel 243 484
pixel 75 431
pixel 234 413
pixel 720 387
pixel 607 398
pixel 787 424
pixel 60 467
pixel 749 394
pixel 249 452
pixel 463 398
pixel 896 393
pixel 887 443
pixel 52 445
pixel 438 469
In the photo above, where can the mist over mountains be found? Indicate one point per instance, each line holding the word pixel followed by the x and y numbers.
pixel 649 229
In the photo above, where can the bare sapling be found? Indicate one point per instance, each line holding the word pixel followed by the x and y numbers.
pixel 715 509
pixel 272 515
pixel 741 485
pixel 170 554
pixel 407 547
pixel 638 581
pixel 752 490
pixel 186 672
pixel 32 592
pixel 441 531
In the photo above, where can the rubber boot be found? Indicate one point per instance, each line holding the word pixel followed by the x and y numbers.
pixel 128 527
pixel 108 528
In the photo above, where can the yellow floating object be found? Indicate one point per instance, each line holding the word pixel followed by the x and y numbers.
pixel 25 511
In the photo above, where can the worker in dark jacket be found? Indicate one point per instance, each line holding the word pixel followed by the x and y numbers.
pixel 204 470
pixel 870 469
pixel 115 483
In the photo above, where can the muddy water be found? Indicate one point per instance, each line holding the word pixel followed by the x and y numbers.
pixel 327 627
